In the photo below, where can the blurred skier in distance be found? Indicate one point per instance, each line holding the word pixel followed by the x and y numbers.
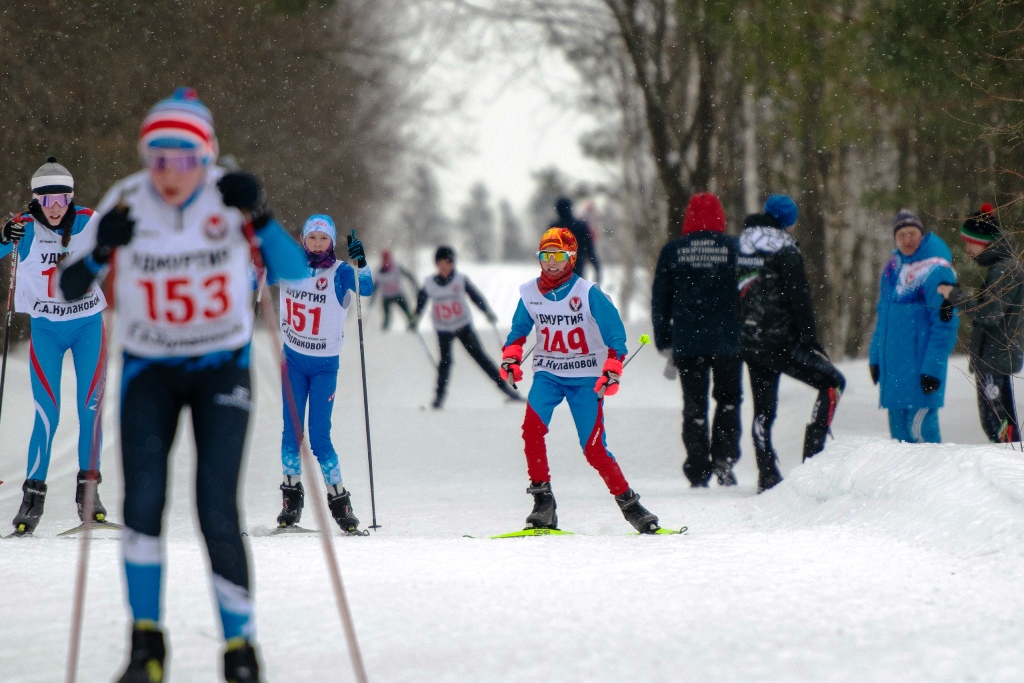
pixel 914 333
pixel 995 313
pixel 578 356
pixel 778 334
pixel 694 309
pixel 313 312
pixel 587 251
pixel 389 284
pixel 450 292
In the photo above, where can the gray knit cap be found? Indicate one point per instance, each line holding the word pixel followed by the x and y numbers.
pixel 52 178
pixel 906 218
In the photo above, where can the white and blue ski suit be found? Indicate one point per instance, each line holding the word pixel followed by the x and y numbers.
pixel 58 327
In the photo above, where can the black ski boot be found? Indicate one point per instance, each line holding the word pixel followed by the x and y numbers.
pixel 99 513
pixel 293 500
pixel 723 471
pixel 814 440
pixel 31 509
pixel 768 476
pixel 636 514
pixel 544 506
pixel 147 657
pixel 341 509
pixel 241 664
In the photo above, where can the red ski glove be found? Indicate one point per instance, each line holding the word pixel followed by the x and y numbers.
pixel 512 358
pixel 609 378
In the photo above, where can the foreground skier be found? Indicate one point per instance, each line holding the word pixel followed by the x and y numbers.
pixel 578 327
pixel 175 233
pixel 313 312
pixel 52 229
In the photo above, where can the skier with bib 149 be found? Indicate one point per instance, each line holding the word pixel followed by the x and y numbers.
pixel 451 291
pixel 580 347
pixel 313 312
pixel 180 236
pixel 51 230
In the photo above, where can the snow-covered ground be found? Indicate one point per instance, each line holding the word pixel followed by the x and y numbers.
pixel 875 561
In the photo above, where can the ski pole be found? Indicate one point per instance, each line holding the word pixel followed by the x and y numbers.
pixel 10 315
pixel 366 403
pixel 525 356
pixel 309 464
pixel 497 333
pixel 644 341
pixel 426 348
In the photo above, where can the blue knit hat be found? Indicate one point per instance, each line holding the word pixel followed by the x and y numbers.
pixel 180 121
pixel 320 223
pixel 782 208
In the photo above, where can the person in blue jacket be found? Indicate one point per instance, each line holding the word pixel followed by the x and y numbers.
pixel 313 312
pixel 914 334
pixel 52 229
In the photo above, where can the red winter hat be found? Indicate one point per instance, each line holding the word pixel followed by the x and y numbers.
pixel 704 212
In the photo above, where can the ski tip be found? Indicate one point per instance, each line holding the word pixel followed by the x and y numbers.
pixel 662 531
pixel 523 533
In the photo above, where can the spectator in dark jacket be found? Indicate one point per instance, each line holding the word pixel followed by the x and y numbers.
pixel 777 332
pixel 587 253
pixel 694 303
pixel 995 313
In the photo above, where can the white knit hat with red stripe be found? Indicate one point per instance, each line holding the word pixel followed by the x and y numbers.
pixel 181 121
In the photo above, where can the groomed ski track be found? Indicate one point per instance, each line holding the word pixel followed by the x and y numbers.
pixel 875 561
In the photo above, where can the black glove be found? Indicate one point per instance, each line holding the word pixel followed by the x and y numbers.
pixel 930 384
pixel 116 229
pixel 244 191
pixel 874 373
pixel 12 230
pixel 355 250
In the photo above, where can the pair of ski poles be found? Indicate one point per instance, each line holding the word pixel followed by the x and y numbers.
pixel 644 341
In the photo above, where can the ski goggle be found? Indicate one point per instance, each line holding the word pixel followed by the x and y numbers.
pixel 556 256
pixel 160 160
pixel 48 200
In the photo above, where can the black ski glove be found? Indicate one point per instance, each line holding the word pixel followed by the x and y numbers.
pixel 930 384
pixel 874 373
pixel 356 251
pixel 12 231
pixel 244 191
pixel 116 229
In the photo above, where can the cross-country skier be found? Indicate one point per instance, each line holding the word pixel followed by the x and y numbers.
pixel 995 313
pixel 450 293
pixel 777 332
pixel 389 284
pixel 580 347
pixel 313 312
pixel 53 229
pixel 176 237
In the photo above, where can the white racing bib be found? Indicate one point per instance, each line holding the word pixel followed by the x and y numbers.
pixel 182 285
pixel 312 318
pixel 389 283
pixel 569 342
pixel 449 303
pixel 38 291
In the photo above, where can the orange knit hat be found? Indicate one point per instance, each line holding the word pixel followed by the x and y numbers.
pixel 560 239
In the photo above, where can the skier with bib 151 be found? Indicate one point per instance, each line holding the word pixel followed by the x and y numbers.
pixel 581 344
pixel 51 230
pixel 313 312
pixel 180 236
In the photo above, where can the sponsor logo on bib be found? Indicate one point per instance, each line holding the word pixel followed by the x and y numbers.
pixel 321 283
pixel 575 304
pixel 215 227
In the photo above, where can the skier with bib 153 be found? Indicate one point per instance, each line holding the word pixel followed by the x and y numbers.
pixel 580 347
pixel 52 230
pixel 313 312
pixel 180 236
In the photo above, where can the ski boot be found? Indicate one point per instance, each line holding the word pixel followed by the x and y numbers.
pixel 147 657
pixel 31 509
pixel 636 514
pixel 768 476
pixel 340 504
pixel 814 440
pixel 293 500
pixel 241 664
pixel 99 513
pixel 544 506
pixel 723 471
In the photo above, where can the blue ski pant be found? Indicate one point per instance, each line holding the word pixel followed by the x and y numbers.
pixel 50 341
pixel 915 425
pixel 314 382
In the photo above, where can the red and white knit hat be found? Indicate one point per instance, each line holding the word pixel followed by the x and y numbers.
pixel 181 121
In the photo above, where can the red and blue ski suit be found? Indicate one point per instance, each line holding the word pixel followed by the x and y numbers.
pixel 551 385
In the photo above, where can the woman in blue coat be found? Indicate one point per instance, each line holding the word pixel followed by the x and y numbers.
pixel 914 334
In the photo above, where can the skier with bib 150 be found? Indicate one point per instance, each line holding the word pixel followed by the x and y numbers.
pixel 578 356
pixel 180 237
pixel 53 229
pixel 313 312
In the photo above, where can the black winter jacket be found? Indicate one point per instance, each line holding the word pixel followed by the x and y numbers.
pixel 776 313
pixel 694 299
